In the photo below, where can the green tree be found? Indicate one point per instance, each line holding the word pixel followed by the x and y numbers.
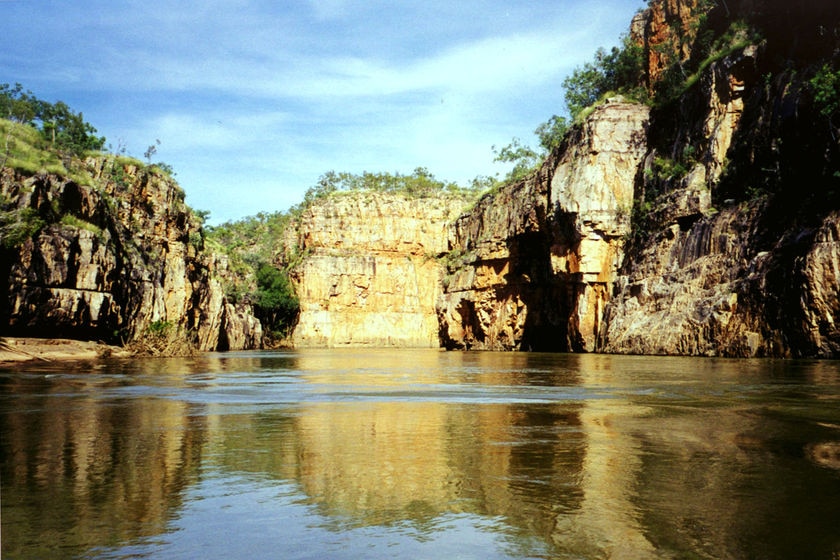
pixel 826 90
pixel 524 159
pixel 17 105
pixel 619 70
pixel 276 304
pixel 62 128
pixel 551 132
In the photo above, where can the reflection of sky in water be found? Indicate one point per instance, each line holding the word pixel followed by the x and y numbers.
pixel 235 517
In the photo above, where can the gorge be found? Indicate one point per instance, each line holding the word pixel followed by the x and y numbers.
pixel 703 225
pixel 700 218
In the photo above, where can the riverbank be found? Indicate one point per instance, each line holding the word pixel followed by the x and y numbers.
pixel 17 350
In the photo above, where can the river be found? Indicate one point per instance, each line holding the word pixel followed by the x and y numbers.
pixel 421 454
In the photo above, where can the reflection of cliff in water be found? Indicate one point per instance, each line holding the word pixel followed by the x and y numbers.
pixel 81 470
pixel 388 462
pixel 598 467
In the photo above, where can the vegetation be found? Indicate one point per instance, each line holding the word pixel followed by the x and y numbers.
pixel 17 224
pixel 58 125
pixel 421 183
pixel 256 273
pixel 825 86
pixel 681 75
pixel 24 149
pixel 73 221
pixel 525 159
pixel 618 71
pixel 163 338
pixel 276 304
pixel 667 169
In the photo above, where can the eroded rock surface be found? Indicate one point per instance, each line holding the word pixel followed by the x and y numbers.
pixel 111 260
pixel 370 275
pixel 537 260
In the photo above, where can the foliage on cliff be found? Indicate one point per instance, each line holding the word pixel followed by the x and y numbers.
pixel 619 71
pixel 421 183
pixel 42 138
pixel 258 270
pixel 60 127
pixel 28 153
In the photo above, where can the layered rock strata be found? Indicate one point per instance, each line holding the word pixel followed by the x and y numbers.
pixel 110 260
pixel 537 261
pixel 705 226
pixel 370 273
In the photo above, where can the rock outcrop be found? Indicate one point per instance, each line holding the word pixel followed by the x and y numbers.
pixel 539 258
pixel 108 260
pixel 738 256
pixel 706 222
pixel 370 274
pixel 708 227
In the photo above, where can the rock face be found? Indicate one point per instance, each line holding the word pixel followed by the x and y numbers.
pixel 538 259
pixel 110 260
pixel 738 257
pixel 370 275
pixel 706 225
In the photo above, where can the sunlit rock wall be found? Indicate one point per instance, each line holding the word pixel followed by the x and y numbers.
pixel 370 273
pixel 737 256
pixel 111 259
pixel 536 261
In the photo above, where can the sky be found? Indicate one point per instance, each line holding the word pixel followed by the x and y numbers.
pixel 252 101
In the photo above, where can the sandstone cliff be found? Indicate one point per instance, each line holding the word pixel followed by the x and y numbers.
pixel 704 222
pixel 369 273
pixel 704 226
pixel 540 257
pixel 107 260
pixel 737 256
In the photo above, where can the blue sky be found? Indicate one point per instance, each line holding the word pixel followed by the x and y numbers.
pixel 253 100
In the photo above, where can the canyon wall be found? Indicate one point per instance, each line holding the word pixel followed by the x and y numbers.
pixel 704 222
pixel 107 260
pixel 537 260
pixel 706 226
pixel 370 272
pixel 737 254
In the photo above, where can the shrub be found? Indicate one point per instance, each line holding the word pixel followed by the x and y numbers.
pixel 825 86
pixel 276 304
pixel 73 221
pixel 17 225
pixel 163 339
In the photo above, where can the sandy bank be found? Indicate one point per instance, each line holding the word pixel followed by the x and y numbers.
pixel 15 350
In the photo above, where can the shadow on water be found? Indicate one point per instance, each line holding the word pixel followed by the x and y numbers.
pixel 338 453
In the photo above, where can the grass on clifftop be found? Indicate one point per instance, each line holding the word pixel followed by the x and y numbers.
pixel 23 148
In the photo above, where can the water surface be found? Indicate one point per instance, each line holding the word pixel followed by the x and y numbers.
pixel 421 454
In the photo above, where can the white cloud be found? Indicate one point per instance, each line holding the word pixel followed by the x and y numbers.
pixel 213 130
